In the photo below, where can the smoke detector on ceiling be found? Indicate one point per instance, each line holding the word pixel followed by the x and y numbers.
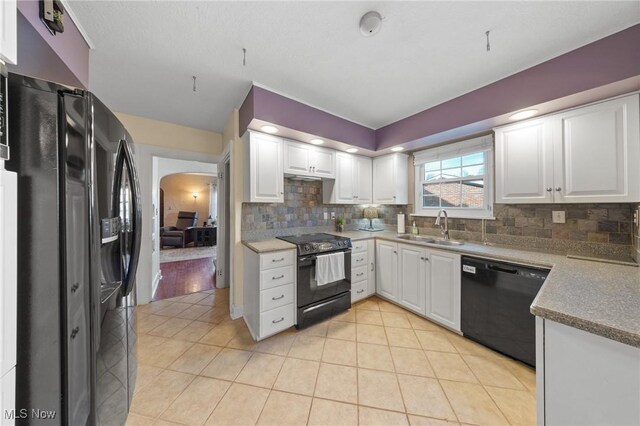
pixel 370 23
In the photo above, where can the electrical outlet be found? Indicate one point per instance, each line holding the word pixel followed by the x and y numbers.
pixel 333 215
pixel 558 216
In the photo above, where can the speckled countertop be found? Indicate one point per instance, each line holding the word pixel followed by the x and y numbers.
pixel 601 298
pixel 266 246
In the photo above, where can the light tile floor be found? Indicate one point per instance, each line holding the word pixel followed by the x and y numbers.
pixel 376 364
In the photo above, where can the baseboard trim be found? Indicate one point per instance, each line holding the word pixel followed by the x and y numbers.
pixel 236 312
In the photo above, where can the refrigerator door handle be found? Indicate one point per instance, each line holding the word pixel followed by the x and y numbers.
pixel 125 157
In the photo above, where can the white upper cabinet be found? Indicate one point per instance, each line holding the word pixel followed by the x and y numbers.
pixel 265 180
pixel 323 162
pixel 443 288
pixel 387 269
pixel 391 179
pixel 597 153
pixel 363 179
pixel 343 189
pixel 585 155
pixel 296 158
pixel 307 160
pixel 524 163
pixel 412 276
pixel 8 31
pixel 353 182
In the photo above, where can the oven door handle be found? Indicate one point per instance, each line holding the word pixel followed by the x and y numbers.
pixel 304 259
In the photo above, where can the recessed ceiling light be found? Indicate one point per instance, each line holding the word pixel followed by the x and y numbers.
pixel 397 148
pixel 317 141
pixel 269 129
pixel 521 115
pixel 352 150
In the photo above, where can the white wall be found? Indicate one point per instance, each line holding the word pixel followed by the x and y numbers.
pixel 154 162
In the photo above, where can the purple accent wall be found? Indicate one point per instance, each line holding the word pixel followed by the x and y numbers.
pixel 69 46
pixel 37 59
pixel 278 109
pixel 245 114
pixel 605 61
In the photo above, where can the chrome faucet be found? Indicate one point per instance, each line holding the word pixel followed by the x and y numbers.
pixel 444 229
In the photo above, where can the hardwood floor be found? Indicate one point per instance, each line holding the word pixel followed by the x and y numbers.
pixel 184 277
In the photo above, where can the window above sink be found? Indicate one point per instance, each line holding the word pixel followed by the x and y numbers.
pixel 457 177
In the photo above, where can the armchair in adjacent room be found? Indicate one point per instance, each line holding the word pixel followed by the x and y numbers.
pixel 179 235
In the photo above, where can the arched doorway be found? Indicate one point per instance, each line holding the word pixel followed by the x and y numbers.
pixel 188 236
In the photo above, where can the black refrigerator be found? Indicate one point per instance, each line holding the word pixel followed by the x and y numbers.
pixel 78 248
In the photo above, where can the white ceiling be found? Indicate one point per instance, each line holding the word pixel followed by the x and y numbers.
pixel 426 52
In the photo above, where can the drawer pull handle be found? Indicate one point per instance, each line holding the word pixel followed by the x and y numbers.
pixel 278 260
pixel 360 274
pixel 277 321
pixel 360 291
pixel 360 260
pixel 75 287
pixel 278 278
pixel 74 332
pixel 278 298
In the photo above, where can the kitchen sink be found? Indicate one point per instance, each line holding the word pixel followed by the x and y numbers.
pixel 431 240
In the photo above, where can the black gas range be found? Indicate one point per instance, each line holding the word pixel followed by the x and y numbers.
pixel 317 302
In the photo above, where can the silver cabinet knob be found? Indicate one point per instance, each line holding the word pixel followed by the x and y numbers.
pixel 558 189
pixel 549 189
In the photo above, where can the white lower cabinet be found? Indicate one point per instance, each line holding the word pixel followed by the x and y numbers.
pixel 269 291
pixel 443 288
pixel 585 379
pixel 387 269
pixel 412 276
pixel 362 270
pixel 423 280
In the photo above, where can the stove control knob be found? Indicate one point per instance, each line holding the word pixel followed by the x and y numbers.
pixel 307 248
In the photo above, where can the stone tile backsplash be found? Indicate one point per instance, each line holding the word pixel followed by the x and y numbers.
pixel 594 228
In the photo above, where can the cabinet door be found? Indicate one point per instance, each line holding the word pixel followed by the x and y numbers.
pixel 443 288
pixel 597 152
pixel 412 277
pixel 363 169
pixel 371 278
pixel 8 270
pixel 524 163
pixel 384 178
pixel 297 158
pixel 344 190
pixel 9 31
pixel 323 162
pixel 387 269
pixel 266 171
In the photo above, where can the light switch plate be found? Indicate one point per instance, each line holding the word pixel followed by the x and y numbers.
pixel 333 215
pixel 558 216
pixel 326 216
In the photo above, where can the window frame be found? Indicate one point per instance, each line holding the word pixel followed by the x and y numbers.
pixel 459 149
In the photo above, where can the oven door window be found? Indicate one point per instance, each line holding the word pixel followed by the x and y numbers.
pixel 308 290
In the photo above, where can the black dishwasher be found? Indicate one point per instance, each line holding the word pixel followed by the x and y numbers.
pixel 496 298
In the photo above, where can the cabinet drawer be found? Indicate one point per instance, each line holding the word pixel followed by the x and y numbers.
pixel 358 291
pixel 276 320
pixel 359 274
pixel 276 297
pixel 276 259
pixel 358 246
pixel 276 277
pixel 359 259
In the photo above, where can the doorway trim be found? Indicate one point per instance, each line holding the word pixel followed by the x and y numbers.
pixel 147 157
